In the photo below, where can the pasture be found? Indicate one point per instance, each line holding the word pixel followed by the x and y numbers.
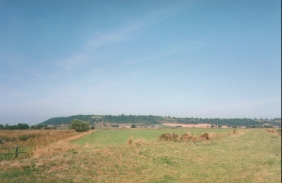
pixel 251 155
pixel 115 137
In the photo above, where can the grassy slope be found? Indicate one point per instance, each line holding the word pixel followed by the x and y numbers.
pixel 253 156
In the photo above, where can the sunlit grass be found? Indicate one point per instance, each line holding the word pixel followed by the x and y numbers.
pixel 119 137
pixel 246 156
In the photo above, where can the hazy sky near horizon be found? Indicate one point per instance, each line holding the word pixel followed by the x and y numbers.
pixel 169 58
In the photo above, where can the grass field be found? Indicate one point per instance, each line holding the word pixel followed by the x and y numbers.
pixel 120 137
pixel 31 142
pixel 105 156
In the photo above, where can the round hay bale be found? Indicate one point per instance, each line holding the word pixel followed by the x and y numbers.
pixel 214 135
pixel 168 137
pixel 187 137
pixel 204 136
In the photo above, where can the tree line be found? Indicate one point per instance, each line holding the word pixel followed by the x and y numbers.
pixel 19 126
pixel 228 122
pixel 67 120
pixel 150 120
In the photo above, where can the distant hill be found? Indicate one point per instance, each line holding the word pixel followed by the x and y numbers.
pixel 68 120
pixel 92 119
pixel 150 120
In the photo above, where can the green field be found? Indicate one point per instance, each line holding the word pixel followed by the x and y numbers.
pixel 104 156
pixel 119 137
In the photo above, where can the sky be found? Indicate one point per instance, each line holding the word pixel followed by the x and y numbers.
pixel 204 58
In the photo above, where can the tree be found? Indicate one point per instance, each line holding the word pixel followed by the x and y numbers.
pixel 79 126
pixel 23 126
pixel 133 126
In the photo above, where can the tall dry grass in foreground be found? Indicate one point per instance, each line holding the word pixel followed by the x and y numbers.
pixel 38 142
pixel 61 145
pixel 33 137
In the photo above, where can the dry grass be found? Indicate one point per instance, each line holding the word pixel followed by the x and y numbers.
pixel 130 140
pixel 246 156
pixel 33 137
pixel 136 142
pixel 275 131
pixel 39 142
pixel 60 145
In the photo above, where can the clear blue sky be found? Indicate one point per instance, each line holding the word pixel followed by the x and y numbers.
pixel 204 58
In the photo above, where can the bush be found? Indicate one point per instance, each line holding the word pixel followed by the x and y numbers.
pixel 79 126
pixel 133 126
pixel 27 136
pixel 23 138
pixel 234 130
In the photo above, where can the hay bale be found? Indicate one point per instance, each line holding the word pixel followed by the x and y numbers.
pixel 174 136
pixel 188 137
pixel 164 137
pixel 204 136
pixel 168 137
pixel 214 135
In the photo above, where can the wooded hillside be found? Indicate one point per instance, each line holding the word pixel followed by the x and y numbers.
pixel 150 119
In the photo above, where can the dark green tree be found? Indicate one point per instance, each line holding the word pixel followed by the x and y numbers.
pixel 133 126
pixel 23 126
pixel 79 126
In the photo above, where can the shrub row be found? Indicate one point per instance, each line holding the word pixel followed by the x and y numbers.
pixel 184 137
